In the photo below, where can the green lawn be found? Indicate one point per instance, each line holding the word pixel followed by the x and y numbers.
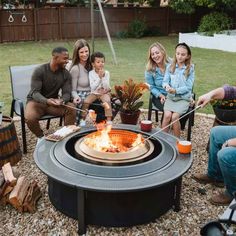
pixel 213 67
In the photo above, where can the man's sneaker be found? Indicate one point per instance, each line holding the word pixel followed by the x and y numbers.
pixel 205 179
pixel 82 123
pixel 221 199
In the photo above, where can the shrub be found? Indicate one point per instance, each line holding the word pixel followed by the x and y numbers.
pixel 215 22
pixel 137 29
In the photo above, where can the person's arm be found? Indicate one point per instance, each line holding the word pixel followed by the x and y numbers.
pixel 218 93
pixel 150 80
pixel 94 81
pixel 188 83
pixel 75 74
pixel 106 81
pixel 36 86
pixel 66 89
pixel 166 80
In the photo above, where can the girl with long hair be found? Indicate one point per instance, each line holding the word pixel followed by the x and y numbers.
pixel 178 83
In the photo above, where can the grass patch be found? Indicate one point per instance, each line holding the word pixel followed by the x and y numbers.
pixel 213 68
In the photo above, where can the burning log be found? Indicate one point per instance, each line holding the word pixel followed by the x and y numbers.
pixel 8 175
pixel 19 193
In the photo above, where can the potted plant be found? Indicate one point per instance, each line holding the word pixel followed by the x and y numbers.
pixel 225 110
pixel 129 97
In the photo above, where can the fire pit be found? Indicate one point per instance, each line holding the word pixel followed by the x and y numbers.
pixel 93 188
pixel 117 147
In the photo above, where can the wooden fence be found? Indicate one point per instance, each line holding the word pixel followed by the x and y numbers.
pixel 74 22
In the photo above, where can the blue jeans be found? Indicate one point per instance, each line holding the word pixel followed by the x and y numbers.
pixel 222 161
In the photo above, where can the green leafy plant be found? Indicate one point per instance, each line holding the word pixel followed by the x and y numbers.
pixel 129 95
pixel 215 22
pixel 137 29
pixel 180 6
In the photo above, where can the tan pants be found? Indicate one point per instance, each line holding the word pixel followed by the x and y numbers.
pixel 92 97
pixel 35 110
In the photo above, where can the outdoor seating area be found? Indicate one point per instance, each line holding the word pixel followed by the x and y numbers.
pixel 121 136
pixel 194 213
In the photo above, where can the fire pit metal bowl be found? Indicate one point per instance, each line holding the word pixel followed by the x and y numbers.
pixel 113 195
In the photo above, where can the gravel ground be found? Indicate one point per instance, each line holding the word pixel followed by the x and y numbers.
pixel 195 207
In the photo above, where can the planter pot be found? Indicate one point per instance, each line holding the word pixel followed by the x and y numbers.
pixel 129 118
pixel 225 114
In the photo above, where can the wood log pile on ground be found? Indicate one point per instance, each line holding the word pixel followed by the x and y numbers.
pixel 17 190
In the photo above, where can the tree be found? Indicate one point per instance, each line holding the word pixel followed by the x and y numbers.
pixel 189 6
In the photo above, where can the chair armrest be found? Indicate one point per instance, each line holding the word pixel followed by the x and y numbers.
pixel 18 107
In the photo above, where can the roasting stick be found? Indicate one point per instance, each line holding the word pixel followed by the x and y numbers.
pixel 169 125
pixel 91 116
pixel 105 104
pixel 75 108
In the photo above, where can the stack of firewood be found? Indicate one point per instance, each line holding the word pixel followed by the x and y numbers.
pixel 18 190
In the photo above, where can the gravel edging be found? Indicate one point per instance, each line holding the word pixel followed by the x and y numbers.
pixel 195 207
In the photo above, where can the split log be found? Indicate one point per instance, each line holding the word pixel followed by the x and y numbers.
pixel 15 171
pixel 4 193
pixel 3 189
pixel 8 175
pixel 18 193
pixel 34 193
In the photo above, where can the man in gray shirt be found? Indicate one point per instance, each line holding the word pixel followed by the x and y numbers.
pixel 43 99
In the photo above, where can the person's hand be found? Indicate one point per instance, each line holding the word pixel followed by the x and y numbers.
pixel 229 143
pixel 101 73
pixel 204 100
pixel 54 102
pixel 162 98
pixel 77 100
pixel 172 90
pixel 167 88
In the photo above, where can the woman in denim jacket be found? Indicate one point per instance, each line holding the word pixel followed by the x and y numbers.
pixel 154 74
pixel 178 83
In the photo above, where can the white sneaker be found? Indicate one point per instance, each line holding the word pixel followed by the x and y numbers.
pixel 82 123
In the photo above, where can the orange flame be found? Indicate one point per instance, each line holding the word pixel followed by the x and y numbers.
pixel 101 140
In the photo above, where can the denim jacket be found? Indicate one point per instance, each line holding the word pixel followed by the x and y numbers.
pixel 179 82
pixel 155 79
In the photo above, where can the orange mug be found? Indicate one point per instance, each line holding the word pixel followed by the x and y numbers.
pixel 184 147
pixel 146 125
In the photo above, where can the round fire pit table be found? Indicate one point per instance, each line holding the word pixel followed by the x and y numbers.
pixel 113 195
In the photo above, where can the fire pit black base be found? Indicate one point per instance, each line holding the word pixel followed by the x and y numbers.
pixel 105 195
pixel 116 209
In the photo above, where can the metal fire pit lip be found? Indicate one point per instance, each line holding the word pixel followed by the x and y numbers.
pixel 131 170
pixel 46 162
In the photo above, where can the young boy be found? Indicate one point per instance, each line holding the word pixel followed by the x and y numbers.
pixel 99 80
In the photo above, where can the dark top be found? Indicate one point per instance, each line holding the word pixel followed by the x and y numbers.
pixel 47 84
